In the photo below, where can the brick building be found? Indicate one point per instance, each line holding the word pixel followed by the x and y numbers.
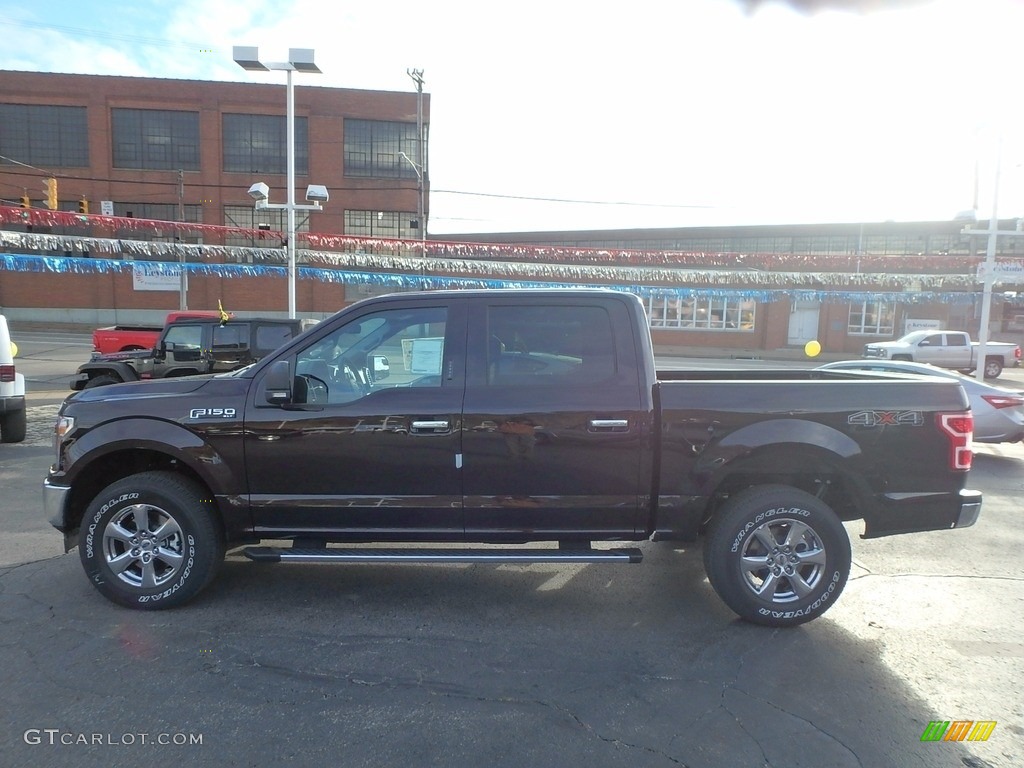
pixel 189 150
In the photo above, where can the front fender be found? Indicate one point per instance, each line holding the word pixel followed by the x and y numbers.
pixel 87 370
pixel 122 447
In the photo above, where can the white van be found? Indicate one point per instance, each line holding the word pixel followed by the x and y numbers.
pixel 12 391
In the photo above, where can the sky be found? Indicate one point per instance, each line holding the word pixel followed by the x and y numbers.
pixel 603 115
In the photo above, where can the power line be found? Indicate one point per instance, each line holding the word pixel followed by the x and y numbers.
pixel 561 200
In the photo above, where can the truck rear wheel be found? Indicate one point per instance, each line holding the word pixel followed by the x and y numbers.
pixel 13 426
pixel 151 541
pixel 777 555
pixel 993 367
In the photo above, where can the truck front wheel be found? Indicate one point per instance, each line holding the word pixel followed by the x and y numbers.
pixel 993 367
pixel 151 541
pixel 777 555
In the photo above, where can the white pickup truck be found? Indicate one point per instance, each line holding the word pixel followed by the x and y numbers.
pixel 947 349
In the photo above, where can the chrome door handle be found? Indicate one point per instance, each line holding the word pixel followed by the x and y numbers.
pixel 609 424
pixel 430 425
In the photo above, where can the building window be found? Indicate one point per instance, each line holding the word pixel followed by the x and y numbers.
pixel 155 139
pixel 259 144
pixel 702 314
pixel 247 217
pixel 375 147
pixel 157 212
pixel 381 224
pixel 44 136
pixel 872 318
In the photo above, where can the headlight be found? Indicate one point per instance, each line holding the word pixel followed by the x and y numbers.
pixel 62 430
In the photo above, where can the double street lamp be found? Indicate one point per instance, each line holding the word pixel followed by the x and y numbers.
pixel 299 60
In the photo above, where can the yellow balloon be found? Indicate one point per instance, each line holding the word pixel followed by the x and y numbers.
pixel 812 348
pixel 14 349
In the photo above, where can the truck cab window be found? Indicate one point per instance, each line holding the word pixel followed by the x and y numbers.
pixel 549 346
pixel 385 350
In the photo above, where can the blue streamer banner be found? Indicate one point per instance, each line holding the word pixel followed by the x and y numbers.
pixel 411 280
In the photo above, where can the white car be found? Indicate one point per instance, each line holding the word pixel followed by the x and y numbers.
pixel 998 412
pixel 13 419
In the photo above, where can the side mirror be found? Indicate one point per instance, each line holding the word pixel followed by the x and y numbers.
pixel 277 386
pixel 380 368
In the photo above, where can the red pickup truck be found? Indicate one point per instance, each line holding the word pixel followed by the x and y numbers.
pixel 125 338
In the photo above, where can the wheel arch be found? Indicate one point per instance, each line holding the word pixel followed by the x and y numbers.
pixel 104 456
pixel 807 455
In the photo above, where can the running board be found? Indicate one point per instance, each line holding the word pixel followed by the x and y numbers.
pixel 373 555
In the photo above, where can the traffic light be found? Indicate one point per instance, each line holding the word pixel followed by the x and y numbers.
pixel 83 206
pixel 51 194
pixel 26 202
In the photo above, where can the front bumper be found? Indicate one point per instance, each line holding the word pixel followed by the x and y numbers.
pixel 56 499
pixel 55 504
pixel 913 512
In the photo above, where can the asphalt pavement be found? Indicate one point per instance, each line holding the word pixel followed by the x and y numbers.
pixel 506 665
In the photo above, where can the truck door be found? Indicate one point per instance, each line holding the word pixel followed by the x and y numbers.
pixel 552 431
pixel 957 351
pixel 369 447
pixel 181 349
pixel 931 349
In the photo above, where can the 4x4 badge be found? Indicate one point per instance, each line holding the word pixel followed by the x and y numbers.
pixel 884 418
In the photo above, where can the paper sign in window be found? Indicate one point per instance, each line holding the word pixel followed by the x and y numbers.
pixel 425 356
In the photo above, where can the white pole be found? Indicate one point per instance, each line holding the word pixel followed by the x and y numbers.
pixel 291 196
pixel 990 268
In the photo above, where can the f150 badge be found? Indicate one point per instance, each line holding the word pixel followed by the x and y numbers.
pixel 886 418
pixel 212 413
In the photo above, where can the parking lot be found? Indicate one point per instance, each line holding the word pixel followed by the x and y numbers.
pixel 539 665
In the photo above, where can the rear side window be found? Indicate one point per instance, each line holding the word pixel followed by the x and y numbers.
pixel 540 345
pixel 956 340
pixel 229 337
pixel 270 337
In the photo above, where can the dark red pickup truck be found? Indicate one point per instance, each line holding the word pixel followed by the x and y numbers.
pixel 128 338
pixel 503 418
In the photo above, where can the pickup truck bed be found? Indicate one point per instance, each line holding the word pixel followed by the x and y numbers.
pixel 503 418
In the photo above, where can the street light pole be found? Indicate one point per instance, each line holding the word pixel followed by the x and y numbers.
pixel 299 60
pixel 419 166
pixel 290 111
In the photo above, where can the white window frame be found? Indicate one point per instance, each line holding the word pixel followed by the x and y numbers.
pixel 883 312
pixel 711 313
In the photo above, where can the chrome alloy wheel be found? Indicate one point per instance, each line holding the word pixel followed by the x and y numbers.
pixel 782 560
pixel 143 546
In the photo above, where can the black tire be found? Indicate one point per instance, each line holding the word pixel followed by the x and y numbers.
pixel 13 426
pixel 993 367
pixel 101 381
pixel 908 358
pixel 810 542
pixel 155 572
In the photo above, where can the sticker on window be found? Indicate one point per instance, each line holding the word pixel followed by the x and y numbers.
pixel 423 356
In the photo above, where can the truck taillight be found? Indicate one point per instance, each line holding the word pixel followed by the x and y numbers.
pixel 959 428
pixel 1016 353
pixel 6 373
